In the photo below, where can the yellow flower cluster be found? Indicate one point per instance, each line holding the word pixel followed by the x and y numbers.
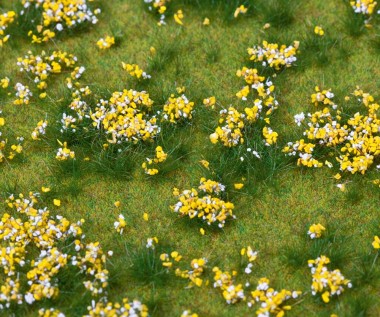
pixel 177 109
pixel 270 136
pixel 151 243
pixel 251 256
pixel 125 309
pixel 52 312
pixel 5 20
pixel 39 130
pixel 167 261
pixel 35 229
pixel 105 43
pixel 197 269
pixel 23 95
pixel 160 157
pixel 159 6
pixel 224 281
pixel 232 133
pixel 135 71
pixel 120 224
pixel 125 117
pixel 272 302
pixel 329 283
pixel 14 149
pixel 274 55
pixel 319 31
pixel 316 230
pixel 357 139
pixel 210 102
pixel 43 65
pixel 78 107
pixel 208 207
pixel 64 153
pixel 58 15
pixel 366 7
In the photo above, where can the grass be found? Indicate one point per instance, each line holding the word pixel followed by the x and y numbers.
pixel 279 200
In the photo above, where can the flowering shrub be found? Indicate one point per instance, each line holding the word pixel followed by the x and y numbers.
pixel 125 117
pixel 6 19
pixel 329 283
pixel 58 15
pixel 356 140
pixel 204 203
pixel 160 157
pixel 274 55
pixel 177 109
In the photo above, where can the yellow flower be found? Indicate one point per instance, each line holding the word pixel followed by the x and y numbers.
pixel 242 9
pixel 202 231
pixel 319 31
pixel 205 163
pixel 376 243
pixel 239 186
pixel 117 204
pixel 146 216
pixel 45 189
pixel 326 297
pixel 266 26
pixel 178 17
pixel 206 21
pixel 120 224
pixel 57 202
pixel 105 43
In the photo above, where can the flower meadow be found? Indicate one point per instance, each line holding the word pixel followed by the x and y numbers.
pixel 189 158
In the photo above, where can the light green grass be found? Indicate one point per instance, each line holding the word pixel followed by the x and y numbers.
pixel 273 215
